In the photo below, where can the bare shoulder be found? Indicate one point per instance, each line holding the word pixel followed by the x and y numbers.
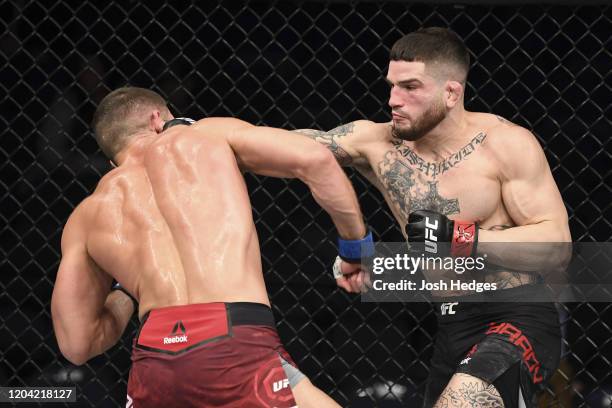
pixel 365 131
pixel 75 229
pixel 512 145
pixel 503 134
pixel 220 124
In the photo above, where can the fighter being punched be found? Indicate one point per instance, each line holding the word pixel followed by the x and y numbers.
pixel 172 223
pixel 475 178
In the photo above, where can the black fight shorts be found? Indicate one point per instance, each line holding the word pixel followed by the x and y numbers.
pixel 515 346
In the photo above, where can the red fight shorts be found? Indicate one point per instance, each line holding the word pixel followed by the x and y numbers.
pixel 211 355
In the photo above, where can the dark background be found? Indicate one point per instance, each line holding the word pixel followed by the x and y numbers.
pixel 291 65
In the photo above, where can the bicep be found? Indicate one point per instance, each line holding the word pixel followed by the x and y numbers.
pixel 80 288
pixel 529 191
pixel 342 141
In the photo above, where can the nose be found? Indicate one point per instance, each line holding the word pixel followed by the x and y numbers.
pixel 394 99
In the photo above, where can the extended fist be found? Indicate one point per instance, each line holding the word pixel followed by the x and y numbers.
pixel 352 277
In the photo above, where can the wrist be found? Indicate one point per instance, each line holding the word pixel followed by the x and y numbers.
pixel 464 239
pixel 354 250
pixel 357 231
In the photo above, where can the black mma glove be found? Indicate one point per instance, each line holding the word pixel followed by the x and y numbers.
pixel 430 228
pixel 116 286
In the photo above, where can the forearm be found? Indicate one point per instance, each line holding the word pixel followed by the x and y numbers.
pixel 334 193
pixel 81 336
pixel 545 231
pixel 117 312
pixel 535 247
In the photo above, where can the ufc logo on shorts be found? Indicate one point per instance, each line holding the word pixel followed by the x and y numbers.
pixel 279 385
pixel 430 239
pixel 447 308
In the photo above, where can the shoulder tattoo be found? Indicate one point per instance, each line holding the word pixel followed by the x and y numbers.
pixel 330 140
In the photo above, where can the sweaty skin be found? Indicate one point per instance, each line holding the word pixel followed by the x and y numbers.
pixel 177 227
pixel 173 224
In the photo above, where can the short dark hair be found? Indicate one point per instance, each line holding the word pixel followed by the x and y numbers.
pixel 120 115
pixel 433 45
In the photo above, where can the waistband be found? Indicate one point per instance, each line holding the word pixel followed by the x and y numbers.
pixel 523 294
pixel 176 329
pixel 240 313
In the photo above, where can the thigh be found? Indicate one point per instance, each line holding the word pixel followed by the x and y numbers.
pixel 308 396
pixel 465 390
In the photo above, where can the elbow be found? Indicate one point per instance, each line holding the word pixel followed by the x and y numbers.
pixel 562 232
pixel 319 160
pixel 73 345
pixel 76 354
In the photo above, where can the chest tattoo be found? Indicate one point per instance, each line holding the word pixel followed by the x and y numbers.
pixel 402 187
pixel 434 169
pixel 432 200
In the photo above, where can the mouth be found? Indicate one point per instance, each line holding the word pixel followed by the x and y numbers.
pixel 396 116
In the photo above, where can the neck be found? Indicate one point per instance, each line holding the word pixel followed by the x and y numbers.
pixel 447 136
pixel 134 151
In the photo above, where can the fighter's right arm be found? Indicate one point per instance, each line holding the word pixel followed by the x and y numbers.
pixel 279 153
pixel 345 141
pixel 87 318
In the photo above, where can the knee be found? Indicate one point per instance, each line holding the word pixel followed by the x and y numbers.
pixel 467 390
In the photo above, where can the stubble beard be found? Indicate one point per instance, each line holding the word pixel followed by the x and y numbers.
pixel 423 125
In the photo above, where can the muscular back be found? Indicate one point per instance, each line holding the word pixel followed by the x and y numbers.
pixel 175 226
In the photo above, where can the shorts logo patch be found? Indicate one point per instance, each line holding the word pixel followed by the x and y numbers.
pixel 517 338
pixel 447 308
pixel 279 385
pixel 174 336
pixel 465 360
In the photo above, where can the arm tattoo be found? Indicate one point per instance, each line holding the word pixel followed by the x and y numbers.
pixel 329 139
pixel 471 393
pixel 499 227
pixel 511 279
pixel 434 169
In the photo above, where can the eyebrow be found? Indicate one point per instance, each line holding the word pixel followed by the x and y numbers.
pixel 406 82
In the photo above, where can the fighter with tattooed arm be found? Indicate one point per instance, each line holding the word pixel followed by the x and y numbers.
pixel 471 174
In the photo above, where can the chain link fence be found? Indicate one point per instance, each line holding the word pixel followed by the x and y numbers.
pixel 290 65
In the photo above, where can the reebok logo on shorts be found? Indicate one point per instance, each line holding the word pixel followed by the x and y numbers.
pixel 176 338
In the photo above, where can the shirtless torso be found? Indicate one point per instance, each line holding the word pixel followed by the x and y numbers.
pixel 173 223
pixel 494 173
pixel 176 227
